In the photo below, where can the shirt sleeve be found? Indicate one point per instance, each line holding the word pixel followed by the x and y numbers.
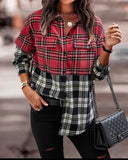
pixel 22 61
pixel 25 40
pixel 99 36
pixel 100 72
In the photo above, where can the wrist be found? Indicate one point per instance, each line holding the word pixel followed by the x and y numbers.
pixel 108 47
pixel 24 84
pixel 24 89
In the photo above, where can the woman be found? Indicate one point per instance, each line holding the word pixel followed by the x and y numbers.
pixel 67 45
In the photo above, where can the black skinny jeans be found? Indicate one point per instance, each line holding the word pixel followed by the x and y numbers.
pixel 45 125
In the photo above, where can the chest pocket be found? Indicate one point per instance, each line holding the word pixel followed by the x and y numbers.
pixel 83 44
pixel 83 49
pixel 47 53
pixel 83 54
pixel 45 45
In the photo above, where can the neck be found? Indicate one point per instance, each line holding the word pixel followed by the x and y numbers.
pixel 66 8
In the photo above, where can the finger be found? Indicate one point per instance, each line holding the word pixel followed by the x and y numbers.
pixel 117 38
pixel 116 34
pixel 40 98
pixel 37 106
pixel 113 31
pixel 43 102
pixel 38 109
pixel 114 26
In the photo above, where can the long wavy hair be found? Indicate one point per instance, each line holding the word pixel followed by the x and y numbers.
pixel 83 8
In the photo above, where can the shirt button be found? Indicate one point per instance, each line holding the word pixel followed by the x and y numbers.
pixel 64 94
pixel 65 53
pixel 64 72
pixel 63 79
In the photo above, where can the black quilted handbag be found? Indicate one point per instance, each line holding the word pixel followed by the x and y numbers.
pixel 112 129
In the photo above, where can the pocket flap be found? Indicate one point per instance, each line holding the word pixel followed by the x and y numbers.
pixel 83 43
pixel 46 41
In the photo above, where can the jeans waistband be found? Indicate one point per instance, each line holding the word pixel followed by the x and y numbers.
pixel 52 101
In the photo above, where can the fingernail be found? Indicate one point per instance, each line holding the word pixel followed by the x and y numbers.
pixel 46 104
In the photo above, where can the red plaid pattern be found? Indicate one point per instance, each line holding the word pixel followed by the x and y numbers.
pixel 57 53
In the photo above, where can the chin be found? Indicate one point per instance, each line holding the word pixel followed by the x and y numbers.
pixel 67 1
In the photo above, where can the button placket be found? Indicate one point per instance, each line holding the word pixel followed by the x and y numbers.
pixel 65 56
pixel 65 53
pixel 63 85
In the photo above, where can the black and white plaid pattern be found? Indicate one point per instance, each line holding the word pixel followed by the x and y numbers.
pixel 22 61
pixel 74 91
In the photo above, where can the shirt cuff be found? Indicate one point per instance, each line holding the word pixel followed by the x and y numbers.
pixel 22 61
pixel 22 69
pixel 99 65
pixel 99 71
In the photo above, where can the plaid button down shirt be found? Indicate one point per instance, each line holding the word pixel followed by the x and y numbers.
pixel 62 67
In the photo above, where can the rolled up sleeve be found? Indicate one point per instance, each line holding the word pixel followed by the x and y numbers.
pixel 22 61
pixel 100 72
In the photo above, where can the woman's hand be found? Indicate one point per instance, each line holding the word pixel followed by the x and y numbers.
pixel 34 98
pixel 113 36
